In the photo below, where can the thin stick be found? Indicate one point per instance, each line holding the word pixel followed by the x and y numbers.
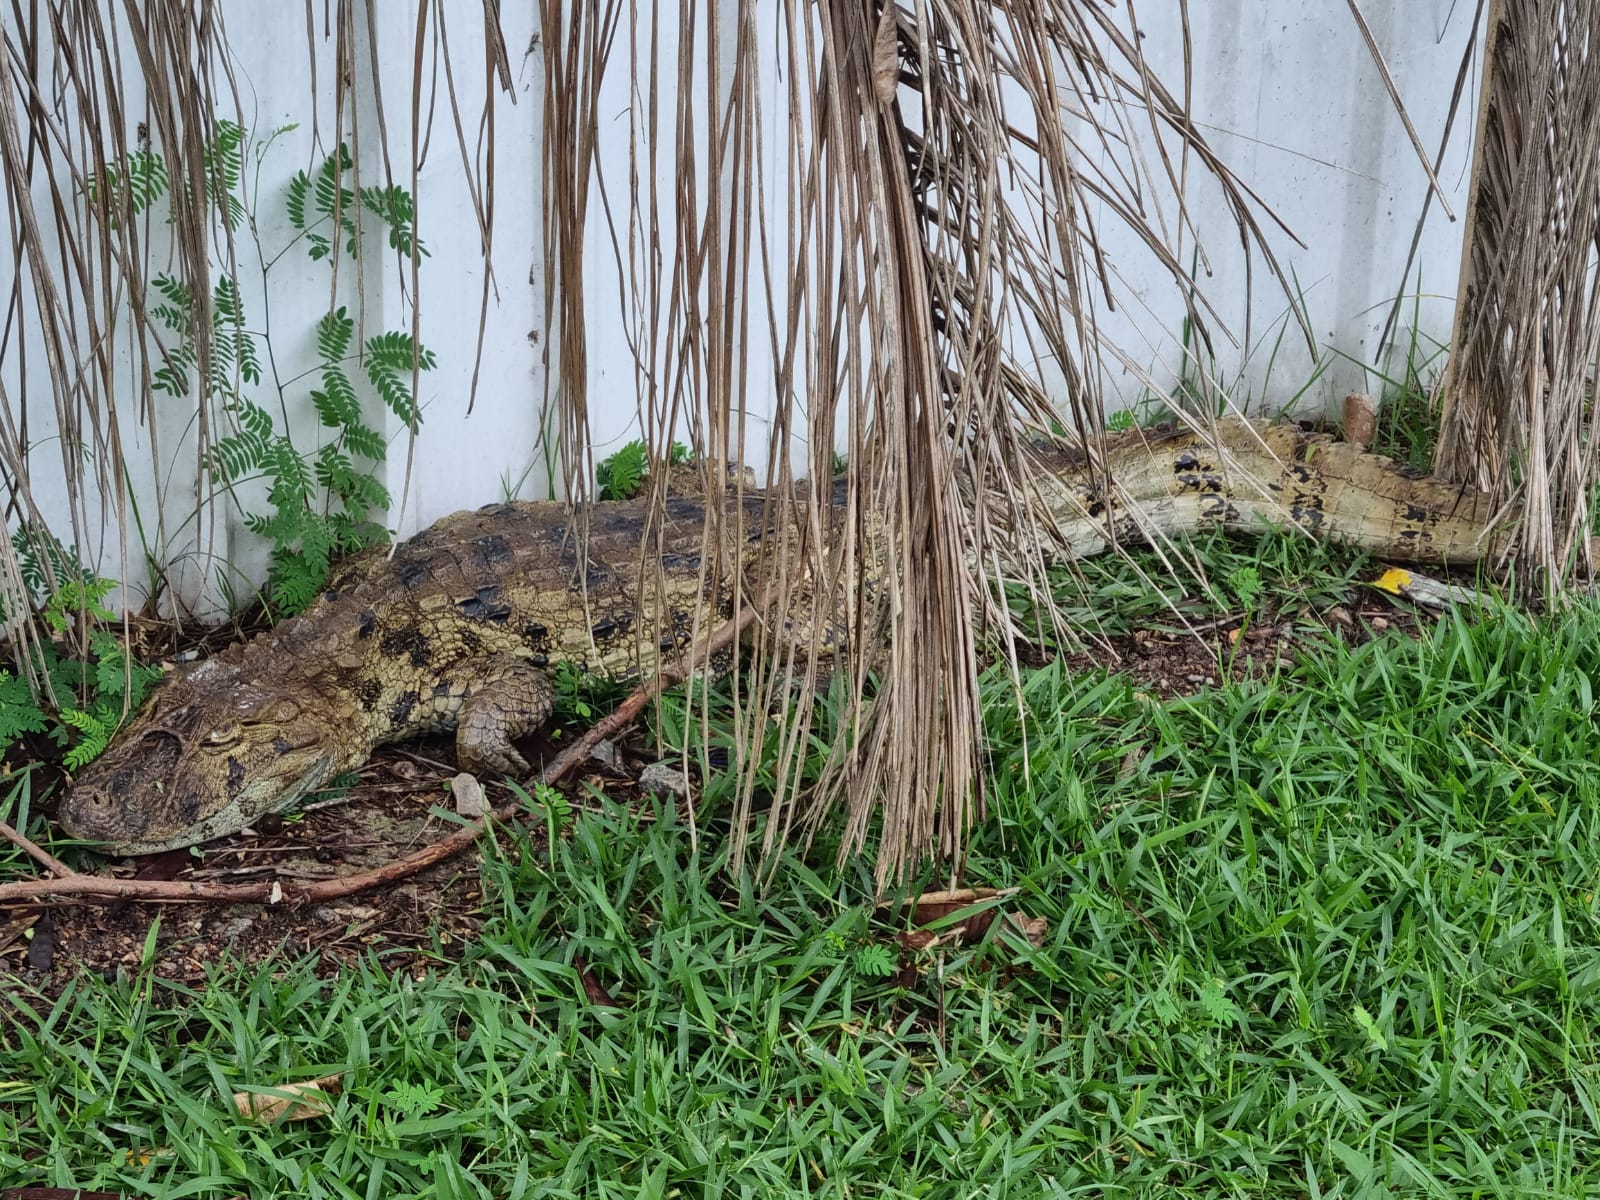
pixel 52 864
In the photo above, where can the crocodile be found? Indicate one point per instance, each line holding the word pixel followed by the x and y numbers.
pixel 455 629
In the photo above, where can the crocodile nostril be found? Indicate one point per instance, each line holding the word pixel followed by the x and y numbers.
pixel 95 799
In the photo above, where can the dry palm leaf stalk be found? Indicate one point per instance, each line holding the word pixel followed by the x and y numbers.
pixel 1517 414
pixel 908 243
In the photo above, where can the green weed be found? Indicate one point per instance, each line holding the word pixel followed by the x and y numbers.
pixel 621 476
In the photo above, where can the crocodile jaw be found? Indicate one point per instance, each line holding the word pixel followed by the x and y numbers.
pixel 79 811
pixel 214 751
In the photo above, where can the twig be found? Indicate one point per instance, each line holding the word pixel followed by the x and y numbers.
pixel 51 863
pixel 280 890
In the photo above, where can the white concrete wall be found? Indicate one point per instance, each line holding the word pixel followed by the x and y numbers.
pixel 1287 93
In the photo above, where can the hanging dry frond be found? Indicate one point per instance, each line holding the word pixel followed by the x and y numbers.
pixel 1518 395
pixel 931 243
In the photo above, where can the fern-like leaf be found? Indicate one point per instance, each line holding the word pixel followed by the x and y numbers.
pixel 251 449
pixel 336 403
pixel 174 291
pixel 393 206
pixel 333 468
pixel 116 673
pixel 366 442
pixel 44 560
pixel 620 476
pixel 334 332
pixel 388 363
pixel 358 491
pixel 351 532
pixel 298 572
pixel 94 734
pixel 172 376
pixel 299 193
pixel 83 594
pixel 254 420
pixel 226 307
pixel 393 351
pixel 288 470
pixel 1218 1006
pixel 138 181
pixel 19 712
pixel 362 493
pixel 333 199
pixel 873 961
pixel 224 158
pixel 249 363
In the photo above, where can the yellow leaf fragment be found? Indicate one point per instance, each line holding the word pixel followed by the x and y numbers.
pixel 289 1101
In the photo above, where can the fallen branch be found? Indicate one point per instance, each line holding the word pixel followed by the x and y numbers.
pixel 43 856
pixel 277 891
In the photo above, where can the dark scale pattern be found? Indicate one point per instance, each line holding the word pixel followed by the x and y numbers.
pixel 400 710
pixel 493 551
pixel 1199 481
pixel 412 643
pixel 413 575
pixel 609 629
pixel 486 605
pixel 369 691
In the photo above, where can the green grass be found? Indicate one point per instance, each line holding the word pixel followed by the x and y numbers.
pixel 1216 575
pixel 1332 934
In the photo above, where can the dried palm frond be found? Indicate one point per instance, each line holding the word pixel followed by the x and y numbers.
pixel 1517 414
pixel 912 239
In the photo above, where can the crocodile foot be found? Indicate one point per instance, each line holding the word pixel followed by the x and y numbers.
pixel 508 698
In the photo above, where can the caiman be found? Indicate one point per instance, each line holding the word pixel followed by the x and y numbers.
pixel 454 630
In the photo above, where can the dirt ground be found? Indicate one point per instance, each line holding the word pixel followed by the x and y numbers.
pixel 393 810
pixel 400 803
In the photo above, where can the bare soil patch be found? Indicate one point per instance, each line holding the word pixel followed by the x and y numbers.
pixel 400 802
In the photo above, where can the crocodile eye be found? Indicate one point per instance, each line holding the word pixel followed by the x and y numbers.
pixel 223 735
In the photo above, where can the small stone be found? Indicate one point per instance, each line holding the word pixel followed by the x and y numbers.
pixel 1340 615
pixel 232 930
pixel 605 753
pixel 664 779
pixel 1380 623
pixel 468 793
pixel 1195 678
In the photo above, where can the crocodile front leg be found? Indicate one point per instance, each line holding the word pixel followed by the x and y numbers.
pixel 508 697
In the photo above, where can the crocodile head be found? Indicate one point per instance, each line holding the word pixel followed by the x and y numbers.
pixel 213 750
